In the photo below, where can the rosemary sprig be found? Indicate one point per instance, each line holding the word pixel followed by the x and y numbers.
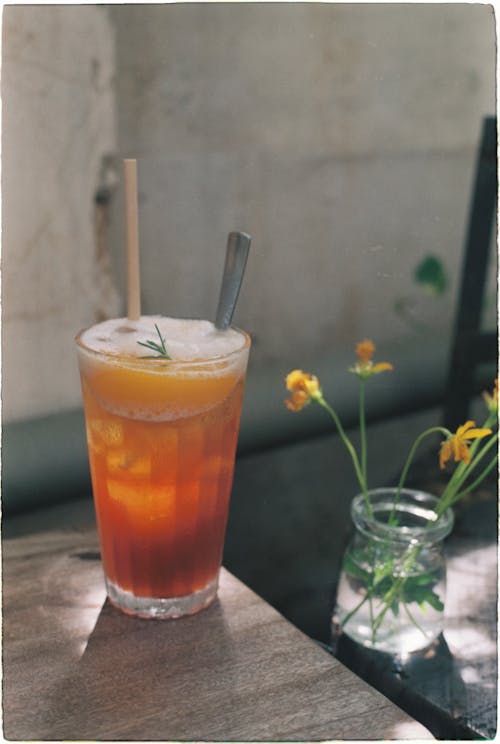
pixel 161 350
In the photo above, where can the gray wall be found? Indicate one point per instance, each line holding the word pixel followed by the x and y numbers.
pixel 58 124
pixel 342 136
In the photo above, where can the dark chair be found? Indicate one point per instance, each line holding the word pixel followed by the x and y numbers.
pixel 471 345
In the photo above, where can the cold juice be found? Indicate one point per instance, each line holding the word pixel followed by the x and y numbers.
pixel 162 437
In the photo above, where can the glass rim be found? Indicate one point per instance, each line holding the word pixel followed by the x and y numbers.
pixel 153 362
pixel 374 528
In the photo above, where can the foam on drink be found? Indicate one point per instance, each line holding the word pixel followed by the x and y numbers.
pixel 204 367
pixel 185 339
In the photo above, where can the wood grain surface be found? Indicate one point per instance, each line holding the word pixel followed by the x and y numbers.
pixel 76 668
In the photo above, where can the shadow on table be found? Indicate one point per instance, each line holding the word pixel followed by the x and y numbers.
pixel 413 683
pixel 130 668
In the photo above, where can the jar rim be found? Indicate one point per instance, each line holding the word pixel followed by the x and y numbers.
pixel 423 504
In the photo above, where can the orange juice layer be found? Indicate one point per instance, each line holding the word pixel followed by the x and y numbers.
pixel 158 393
pixel 162 473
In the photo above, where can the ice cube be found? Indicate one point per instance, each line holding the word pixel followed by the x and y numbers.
pixel 144 502
pixel 109 433
pixel 125 460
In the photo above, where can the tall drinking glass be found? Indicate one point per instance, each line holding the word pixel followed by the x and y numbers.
pixel 161 438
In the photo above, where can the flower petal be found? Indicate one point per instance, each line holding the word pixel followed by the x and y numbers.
pixel 445 453
pixel 465 427
pixel 293 380
pixel 469 431
pixel 365 350
pixel 476 433
pixel 311 385
pixel 297 401
pixel 382 367
pixel 462 453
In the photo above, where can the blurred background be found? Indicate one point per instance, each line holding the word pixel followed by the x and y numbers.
pixel 343 137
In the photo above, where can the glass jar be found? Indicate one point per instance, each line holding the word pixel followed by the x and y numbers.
pixel 392 585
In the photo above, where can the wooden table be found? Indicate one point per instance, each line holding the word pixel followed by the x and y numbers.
pixel 76 668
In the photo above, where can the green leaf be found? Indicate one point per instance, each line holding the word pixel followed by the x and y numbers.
pixel 352 568
pixel 160 348
pixel 381 583
pixel 423 579
pixel 431 275
pixel 435 601
pixel 422 594
pixel 395 608
pixel 381 573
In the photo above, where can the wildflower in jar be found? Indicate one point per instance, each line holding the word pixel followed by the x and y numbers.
pixel 457 445
pixel 473 451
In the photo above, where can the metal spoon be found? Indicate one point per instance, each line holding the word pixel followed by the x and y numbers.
pixel 238 244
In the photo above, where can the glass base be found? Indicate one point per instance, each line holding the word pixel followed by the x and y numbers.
pixel 162 608
pixel 401 641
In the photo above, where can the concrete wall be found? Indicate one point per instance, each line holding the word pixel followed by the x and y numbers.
pixel 341 136
pixel 58 125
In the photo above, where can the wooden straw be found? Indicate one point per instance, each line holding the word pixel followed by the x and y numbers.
pixel 133 273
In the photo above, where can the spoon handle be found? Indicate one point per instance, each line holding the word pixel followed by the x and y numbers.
pixel 238 244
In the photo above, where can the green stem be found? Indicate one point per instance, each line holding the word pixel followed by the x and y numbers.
pixel 346 619
pixel 409 459
pixel 453 483
pixel 441 508
pixel 463 471
pixel 485 448
pixel 371 617
pixel 492 420
pixel 362 428
pixel 396 587
pixel 407 610
pixel 378 620
pixel 322 402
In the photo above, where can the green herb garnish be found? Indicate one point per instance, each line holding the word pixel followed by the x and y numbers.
pixel 160 349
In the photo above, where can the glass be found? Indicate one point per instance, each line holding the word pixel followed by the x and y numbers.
pixel 392 586
pixel 161 439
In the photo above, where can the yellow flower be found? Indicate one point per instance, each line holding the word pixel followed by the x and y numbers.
pixel 304 388
pixel 365 366
pixel 457 446
pixel 492 400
